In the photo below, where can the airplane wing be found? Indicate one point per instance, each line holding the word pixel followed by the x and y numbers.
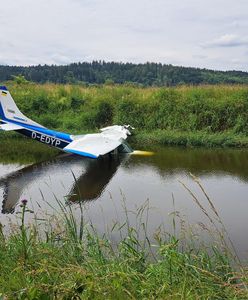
pixel 10 126
pixel 94 145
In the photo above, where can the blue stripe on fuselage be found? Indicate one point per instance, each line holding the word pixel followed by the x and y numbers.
pixel 81 153
pixel 44 138
pixel 59 135
pixel 2 116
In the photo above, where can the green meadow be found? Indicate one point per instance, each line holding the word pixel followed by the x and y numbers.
pixel 184 115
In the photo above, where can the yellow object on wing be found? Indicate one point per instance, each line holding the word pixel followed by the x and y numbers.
pixel 142 153
pixel 4 93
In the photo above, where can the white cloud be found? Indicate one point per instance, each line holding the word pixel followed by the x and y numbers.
pixel 166 31
pixel 227 40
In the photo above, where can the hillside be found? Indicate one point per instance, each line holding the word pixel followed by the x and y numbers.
pixel 99 72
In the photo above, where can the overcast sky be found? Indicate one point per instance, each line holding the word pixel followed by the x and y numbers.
pixel 199 33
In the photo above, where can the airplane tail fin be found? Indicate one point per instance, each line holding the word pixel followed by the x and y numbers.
pixel 9 110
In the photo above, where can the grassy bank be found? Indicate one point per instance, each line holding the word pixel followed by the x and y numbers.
pixel 191 139
pixel 196 116
pixel 71 261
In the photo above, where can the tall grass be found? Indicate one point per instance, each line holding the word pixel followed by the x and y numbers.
pixel 72 261
pixel 211 109
pixel 190 139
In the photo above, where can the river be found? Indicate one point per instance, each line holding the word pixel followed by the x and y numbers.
pixel 110 187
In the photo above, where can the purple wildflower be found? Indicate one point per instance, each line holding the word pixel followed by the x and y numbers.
pixel 24 202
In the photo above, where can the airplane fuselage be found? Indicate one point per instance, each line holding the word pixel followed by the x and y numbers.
pixel 89 145
pixel 46 136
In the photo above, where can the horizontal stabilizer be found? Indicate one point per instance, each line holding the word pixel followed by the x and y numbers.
pixel 92 145
pixel 10 126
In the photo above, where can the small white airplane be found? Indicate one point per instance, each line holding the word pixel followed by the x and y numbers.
pixel 110 138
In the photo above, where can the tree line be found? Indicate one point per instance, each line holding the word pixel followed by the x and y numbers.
pixel 101 72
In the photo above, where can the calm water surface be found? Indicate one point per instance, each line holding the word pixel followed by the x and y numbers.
pixel 106 185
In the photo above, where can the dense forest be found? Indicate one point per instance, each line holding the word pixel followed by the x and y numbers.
pixel 99 72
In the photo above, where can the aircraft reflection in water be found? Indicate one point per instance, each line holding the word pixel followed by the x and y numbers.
pixel 89 185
